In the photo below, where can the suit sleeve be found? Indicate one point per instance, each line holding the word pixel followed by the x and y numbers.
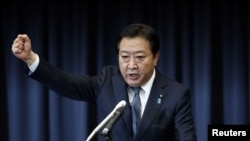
pixel 68 85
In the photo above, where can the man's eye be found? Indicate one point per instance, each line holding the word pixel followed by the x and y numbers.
pixel 140 57
pixel 124 57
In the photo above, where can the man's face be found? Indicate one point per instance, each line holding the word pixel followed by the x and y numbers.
pixel 136 60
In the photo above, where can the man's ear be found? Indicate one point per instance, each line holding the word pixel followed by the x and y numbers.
pixel 156 57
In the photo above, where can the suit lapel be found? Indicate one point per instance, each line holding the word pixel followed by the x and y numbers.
pixel 155 101
pixel 120 92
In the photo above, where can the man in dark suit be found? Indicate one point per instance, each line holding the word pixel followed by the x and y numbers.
pixel 163 108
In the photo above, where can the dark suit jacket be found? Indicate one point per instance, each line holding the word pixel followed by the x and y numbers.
pixel 167 115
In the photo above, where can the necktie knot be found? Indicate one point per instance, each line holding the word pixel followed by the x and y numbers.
pixel 136 90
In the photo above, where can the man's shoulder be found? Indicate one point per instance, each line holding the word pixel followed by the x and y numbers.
pixel 169 81
pixel 111 69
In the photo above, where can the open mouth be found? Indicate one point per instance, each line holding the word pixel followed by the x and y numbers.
pixel 133 76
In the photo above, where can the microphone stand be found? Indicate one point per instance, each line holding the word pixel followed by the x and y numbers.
pixel 107 131
pixel 107 135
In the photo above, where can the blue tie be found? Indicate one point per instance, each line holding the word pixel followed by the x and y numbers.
pixel 136 109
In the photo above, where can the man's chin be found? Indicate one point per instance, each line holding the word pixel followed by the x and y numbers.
pixel 133 83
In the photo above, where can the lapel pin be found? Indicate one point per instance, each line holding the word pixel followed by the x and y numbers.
pixel 159 99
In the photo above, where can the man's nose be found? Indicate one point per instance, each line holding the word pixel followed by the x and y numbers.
pixel 132 63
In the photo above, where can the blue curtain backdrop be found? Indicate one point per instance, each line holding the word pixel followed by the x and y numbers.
pixel 204 44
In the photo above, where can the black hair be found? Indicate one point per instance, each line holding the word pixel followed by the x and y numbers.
pixel 140 30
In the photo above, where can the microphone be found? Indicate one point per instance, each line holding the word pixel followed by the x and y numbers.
pixel 120 105
pixel 118 113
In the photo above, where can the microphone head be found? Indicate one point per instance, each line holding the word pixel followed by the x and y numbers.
pixel 121 104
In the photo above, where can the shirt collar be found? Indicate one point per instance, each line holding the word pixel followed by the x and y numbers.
pixel 147 86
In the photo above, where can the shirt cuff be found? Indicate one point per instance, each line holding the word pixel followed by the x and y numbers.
pixel 33 66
